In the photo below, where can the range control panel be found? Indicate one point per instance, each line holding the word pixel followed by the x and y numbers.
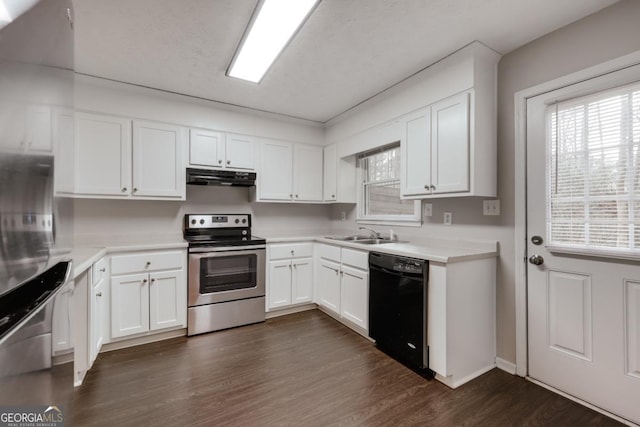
pixel 216 221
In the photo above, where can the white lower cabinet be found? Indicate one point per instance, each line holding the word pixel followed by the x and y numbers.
pixel 343 284
pixel 289 275
pixel 61 329
pixel 98 308
pixel 148 292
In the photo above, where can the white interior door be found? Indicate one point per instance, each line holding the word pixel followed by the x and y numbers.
pixel 583 287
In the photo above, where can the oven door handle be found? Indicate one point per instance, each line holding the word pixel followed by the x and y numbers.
pixel 225 249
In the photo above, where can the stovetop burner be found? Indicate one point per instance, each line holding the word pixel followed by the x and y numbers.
pixel 213 230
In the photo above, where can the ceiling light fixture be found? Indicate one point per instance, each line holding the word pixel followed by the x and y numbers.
pixel 273 24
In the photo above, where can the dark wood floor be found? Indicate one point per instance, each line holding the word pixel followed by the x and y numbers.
pixel 304 369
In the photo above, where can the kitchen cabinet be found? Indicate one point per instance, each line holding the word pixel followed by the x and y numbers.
pixel 289 275
pixel 63 123
pixel 30 130
pixel 339 177
pixel 148 292
pixel 218 150
pixel 62 323
pixel 116 157
pixel 436 149
pixel 98 308
pixel 290 172
pixel 461 319
pixel 343 285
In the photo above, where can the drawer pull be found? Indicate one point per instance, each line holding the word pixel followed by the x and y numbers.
pixel 103 269
pixel 153 280
pixel 144 280
pixel 148 263
pixel 99 294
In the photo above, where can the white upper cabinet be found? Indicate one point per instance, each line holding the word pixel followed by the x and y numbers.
pixel 63 141
pixel 275 180
pixel 307 168
pixel 158 167
pixel 38 131
pixel 206 148
pixel 240 151
pixel 290 172
pixel 435 149
pixel 103 155
pixel 213 149
pixel 330 190
pixel 109 163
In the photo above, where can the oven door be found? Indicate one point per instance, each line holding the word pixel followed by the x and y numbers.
pixel 229 274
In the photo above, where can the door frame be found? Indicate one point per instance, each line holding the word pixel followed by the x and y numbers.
pixel 520 164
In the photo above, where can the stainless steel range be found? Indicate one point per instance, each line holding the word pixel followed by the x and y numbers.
pixel 226 272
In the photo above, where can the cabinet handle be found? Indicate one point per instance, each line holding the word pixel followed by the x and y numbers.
pixel 295 265
pixel 291 196
pixel 333 196
pixel 124 189
pixel 289 266
pixel 292 252
pixel 427 187
pixel 228 162
pixel 433 187
pixel 99 294
pixel 148 263
pixel 135 189
pixel 296 196
pixel 219 162
pixel 342 273
pixel 103 269
pixel 144 280
pixel 153 280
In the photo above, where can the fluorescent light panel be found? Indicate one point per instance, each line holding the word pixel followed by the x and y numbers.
pixel 271 30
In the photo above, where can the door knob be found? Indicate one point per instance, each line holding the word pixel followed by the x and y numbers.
pixel 536 260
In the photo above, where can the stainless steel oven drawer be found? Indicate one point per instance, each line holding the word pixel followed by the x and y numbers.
pixel 224 315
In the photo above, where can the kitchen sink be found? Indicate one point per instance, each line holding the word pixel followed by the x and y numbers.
pixel 364 240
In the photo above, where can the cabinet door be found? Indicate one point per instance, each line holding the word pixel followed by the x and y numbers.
pixel 158 168
pixel 450 145
pixel 129 305
pixel 276 170
pixel 206 148
pixel 302 281
pixel 167 300
pixel 415 154
pixel 307 166
pixel 61 333
pixel 329 285
pixel 330 174
pixel 355 296
pixel 63 140
pixel 241 152
pixel 38 131
pixel 279 286
pixel 103 155
pixel 97 307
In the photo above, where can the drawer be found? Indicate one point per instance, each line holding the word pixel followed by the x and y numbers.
pixel 140 262
pixel 329 252
pixel 358 259
pixel 98 271
pixel 290 250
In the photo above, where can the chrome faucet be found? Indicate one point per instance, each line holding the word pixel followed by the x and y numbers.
pixel 374 233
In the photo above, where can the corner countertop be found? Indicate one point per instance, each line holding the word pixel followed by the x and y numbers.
pixel 435 249
pixel 85 255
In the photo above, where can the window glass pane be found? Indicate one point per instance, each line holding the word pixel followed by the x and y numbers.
pixel 593 181
pixel 384 199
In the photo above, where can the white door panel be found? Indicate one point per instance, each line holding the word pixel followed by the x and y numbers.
pixel 583 311
pixel 240 152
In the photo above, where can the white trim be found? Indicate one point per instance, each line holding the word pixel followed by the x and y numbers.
pixel 455 383
pixel 290 310
pixel 520 99
pixel 147 339
pixel 506 366
pixel 583 403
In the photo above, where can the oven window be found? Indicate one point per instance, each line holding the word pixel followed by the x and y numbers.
pixel 228 273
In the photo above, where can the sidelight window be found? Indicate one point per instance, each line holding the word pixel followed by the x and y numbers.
pixel 593 179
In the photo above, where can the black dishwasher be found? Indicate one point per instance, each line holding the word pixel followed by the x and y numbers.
pixel 397 309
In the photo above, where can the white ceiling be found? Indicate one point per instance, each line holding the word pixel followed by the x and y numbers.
pixel 347 51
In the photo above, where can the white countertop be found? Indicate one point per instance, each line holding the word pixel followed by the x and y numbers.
pixel 436 249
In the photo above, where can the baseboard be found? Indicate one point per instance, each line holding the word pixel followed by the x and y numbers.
pixel 506 365
pixel 290 310
pixel 457 382
pixel 61 359
pixel 143 340
pixel 583 403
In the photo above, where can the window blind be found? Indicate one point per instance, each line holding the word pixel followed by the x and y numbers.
pixel 593 172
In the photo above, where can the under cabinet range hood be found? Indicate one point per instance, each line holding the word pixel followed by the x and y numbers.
pixel 220 177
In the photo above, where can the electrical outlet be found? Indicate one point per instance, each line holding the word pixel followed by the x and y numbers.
pixel 343 216
pixel 448 218
pixel 427 209
pixel 491 207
